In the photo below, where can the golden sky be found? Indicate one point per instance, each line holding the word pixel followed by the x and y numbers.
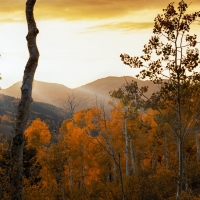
pixel 85 9
pixel 79 40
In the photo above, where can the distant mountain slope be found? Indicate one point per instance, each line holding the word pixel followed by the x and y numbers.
pixel 52 115
pixel 51 93
pixel 6 130
pixel 56 94
pixel 101 88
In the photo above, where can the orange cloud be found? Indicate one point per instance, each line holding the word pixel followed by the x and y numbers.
pixel 84 9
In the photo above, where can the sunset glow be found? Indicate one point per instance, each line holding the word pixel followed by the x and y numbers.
pixel 79 41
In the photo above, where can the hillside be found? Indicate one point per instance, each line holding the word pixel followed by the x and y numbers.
pixel 6 130
pixel 56 94
pixel 52 115
pixel 51 93
pixel 100 89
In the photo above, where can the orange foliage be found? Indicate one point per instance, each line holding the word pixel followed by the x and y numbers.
pixel 38 134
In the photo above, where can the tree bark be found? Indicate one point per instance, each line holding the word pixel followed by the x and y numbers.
pixel 132 156
pixel 126 147
pixel 60 185
pixel 121 179
pixel 114 171
pixel 17 143
pixel 180 175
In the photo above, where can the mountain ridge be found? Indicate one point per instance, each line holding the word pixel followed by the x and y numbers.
pixel 87 95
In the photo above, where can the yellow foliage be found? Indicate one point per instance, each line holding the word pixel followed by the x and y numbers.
pixel 38 134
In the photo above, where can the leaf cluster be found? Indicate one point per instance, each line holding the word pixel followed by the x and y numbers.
pixel 130 96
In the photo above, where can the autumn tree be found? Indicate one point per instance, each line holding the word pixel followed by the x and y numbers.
pixel 38 134
pixel 107 137
pixel 17 144
pixel 55 167
pixel 129 97
pixel 74 162
pixel 175 71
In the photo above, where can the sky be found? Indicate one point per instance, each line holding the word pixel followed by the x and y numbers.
pixel 79 40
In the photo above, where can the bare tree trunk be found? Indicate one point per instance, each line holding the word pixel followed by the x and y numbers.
pixel 126 147
pixel 186 180
pixel 180 173
pixel 17 143
pixel 177 150
pixel 60 185
pixel 118 163
pixel 114 171
pixel 121 179
pixel 132 156
pixel 198 148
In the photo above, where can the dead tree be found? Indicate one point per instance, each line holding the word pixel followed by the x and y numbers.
pixel 17 143
pixel 71 104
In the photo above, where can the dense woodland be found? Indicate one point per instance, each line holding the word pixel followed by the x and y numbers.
pixel 147 148
pixel 102 158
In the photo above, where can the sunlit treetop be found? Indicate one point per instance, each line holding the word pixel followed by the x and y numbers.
pixel 172 45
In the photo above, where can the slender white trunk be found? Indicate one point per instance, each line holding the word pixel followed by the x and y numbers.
pixel 132 156
pixel 121 179
pixel 177 150
pixel 114 171
pixel 118 164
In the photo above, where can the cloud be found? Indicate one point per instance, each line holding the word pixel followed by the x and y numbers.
pixel 84 9
pixel 125 26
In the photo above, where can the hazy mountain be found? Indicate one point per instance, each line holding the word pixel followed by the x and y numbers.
pixel 51 93
pixel 56 94
pixel 52 115
pixel 100 89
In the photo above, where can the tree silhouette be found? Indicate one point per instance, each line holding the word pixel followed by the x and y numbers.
pixel 175 71
pixel 17 143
